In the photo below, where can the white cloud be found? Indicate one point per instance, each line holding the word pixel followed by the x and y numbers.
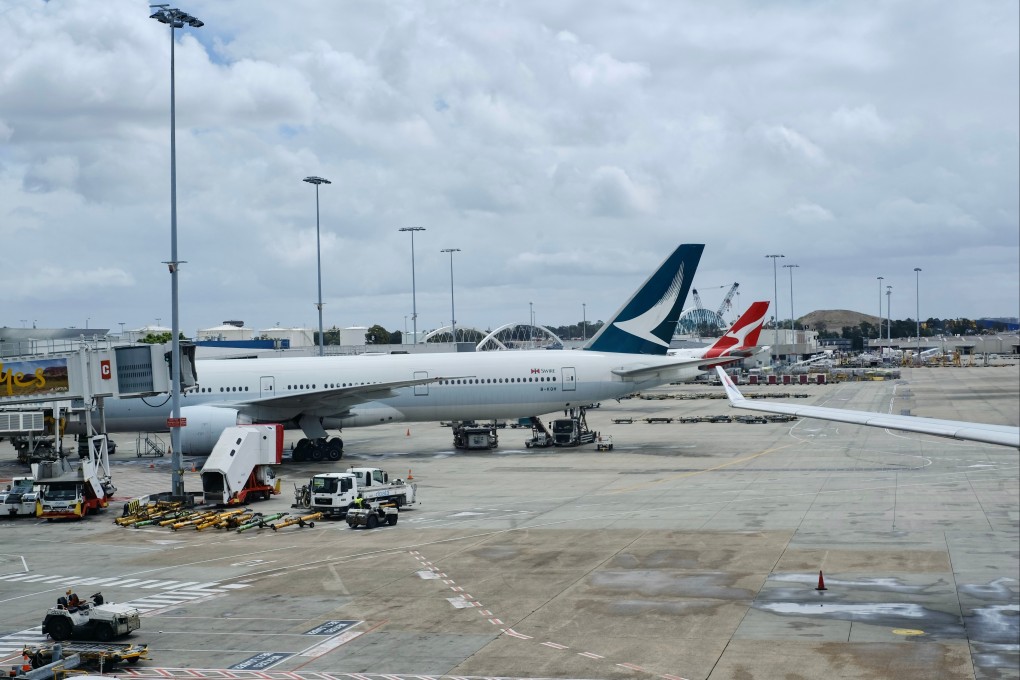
pixel 862 121
pixel 615 194
pixel 603 70
pixel 809 213
pixel 790 144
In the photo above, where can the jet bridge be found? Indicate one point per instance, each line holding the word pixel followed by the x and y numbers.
pixel 85 376
pixel 90 372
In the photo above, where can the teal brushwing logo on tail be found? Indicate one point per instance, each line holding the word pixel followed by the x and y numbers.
pixel 646 323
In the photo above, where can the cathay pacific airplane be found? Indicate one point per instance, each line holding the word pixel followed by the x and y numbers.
pixel 317 394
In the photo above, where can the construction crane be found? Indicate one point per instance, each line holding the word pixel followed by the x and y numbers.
pixel 727 302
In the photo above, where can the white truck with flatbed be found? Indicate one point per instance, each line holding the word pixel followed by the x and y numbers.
pixel 333 493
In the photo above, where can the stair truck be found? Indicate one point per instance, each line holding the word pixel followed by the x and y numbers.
pixel 333 493
pixel 90 619
pixel 240 467
pixel 74 490
pixel 19 498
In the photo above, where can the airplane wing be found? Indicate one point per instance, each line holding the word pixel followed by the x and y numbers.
pixel 1003 435
pixel 651 369
pixel 329 401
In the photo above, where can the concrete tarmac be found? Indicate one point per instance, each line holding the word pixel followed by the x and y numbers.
pixel 688 551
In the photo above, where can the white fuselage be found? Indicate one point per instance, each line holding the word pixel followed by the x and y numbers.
pixel 473 386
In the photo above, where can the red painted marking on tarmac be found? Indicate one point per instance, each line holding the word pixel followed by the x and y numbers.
pixel 591 655
pixel 672 677
pixel 496 622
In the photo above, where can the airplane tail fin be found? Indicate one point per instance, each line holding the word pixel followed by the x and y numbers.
pixel 647 321
pixel 742 337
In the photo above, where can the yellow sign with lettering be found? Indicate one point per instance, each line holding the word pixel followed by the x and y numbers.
pixel 31 378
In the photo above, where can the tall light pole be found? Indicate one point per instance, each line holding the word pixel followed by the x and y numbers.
pixel 584 322
pixel 775 300
pixel 917 310
pixel 888 312
pixel 414 297
pixel 791 267
pixel 531 313
pixel 318 251
pixel 453 315
pixel 175 19
pixel 880 279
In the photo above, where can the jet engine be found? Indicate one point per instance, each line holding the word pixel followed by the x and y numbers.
pixel 205 425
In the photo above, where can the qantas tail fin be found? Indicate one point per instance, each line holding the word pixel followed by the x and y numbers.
pixel 742 337
pixel 646 322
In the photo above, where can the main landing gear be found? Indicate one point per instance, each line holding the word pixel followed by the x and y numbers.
pixel 318 449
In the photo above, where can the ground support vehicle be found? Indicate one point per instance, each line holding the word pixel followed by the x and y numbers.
pixel 240 467
pixel 31 449
pixel 372 515
pixel 604 442
pixel 93 655
pixel 91 619
pixel 333 493
pixel 470 436
pixel 572 430
pixel 19 498
pixel 541 437
pixel 74 490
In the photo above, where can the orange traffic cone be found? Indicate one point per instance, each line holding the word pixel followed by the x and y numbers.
pixel 821 582
pixel 408 432
pixel 409 475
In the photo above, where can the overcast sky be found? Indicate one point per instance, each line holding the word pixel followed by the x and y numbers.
pixel 565 147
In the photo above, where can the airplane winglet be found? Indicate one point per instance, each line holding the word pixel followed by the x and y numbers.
pixel 732 393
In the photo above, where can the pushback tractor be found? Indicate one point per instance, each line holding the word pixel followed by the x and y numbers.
pixel 90 619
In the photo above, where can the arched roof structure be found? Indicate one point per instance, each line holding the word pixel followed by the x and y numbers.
pixel 694 321
pixel 519 336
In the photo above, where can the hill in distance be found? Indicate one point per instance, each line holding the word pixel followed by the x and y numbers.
pixel 836 319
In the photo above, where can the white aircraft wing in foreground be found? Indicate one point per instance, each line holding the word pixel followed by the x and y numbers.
pixel 1003 435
